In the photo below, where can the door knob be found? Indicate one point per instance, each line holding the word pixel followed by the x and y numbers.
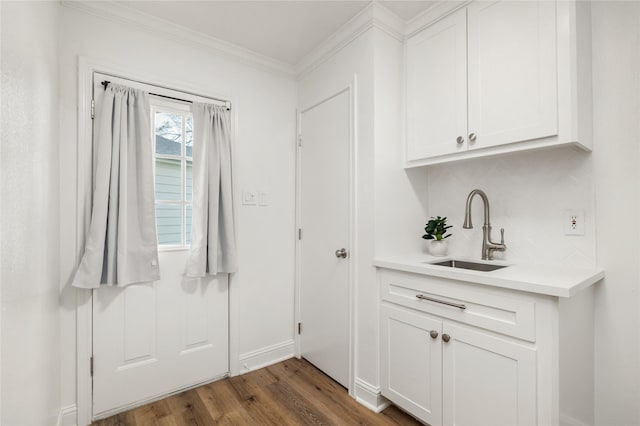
pixel 460 140
pixel 433 334
pixel 446 337
pixel 341 253
pixel 472 137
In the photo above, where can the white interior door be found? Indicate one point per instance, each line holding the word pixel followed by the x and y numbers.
pixel 156 338
pixel 325 221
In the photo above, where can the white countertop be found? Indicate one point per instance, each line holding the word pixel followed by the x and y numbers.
pixel 542 279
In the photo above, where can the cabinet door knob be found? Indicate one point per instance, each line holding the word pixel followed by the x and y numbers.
pixel 446 337
pixel 433 334
pixel 472 137
pixel 460 140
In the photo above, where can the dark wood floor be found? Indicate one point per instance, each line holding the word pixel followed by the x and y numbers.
pixel 292 392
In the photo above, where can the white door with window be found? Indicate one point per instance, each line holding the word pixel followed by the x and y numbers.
pixel 156 338
pixel 325 217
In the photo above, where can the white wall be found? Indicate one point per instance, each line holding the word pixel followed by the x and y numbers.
pixel 265 104
pixel 616 86
pixel 30 382
pixel 400 195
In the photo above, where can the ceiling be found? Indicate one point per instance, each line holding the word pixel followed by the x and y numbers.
pixel 283 30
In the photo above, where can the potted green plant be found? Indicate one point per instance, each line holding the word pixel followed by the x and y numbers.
pixel 436 232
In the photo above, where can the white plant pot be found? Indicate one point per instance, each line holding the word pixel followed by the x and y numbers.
pixel 438 248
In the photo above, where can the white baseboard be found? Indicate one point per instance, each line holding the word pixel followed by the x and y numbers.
pixel 67 416
pixel 369 396
pixel 566 420
pixel 264 357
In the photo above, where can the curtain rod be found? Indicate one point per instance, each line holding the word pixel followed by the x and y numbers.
pixel 227 104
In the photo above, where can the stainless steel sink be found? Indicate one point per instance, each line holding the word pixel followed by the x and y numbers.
pixel 468 265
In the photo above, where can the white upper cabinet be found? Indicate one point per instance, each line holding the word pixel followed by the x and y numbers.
pixel 437 75
pixel 496 77
pixel 512 93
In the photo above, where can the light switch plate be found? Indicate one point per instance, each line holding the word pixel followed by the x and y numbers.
pixel 249 198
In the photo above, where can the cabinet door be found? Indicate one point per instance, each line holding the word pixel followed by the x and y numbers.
pixel 411 362
pixel 486 380
pixel 512 71
pixel 436 64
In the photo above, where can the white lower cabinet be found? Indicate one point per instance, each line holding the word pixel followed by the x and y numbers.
pixel 486 380
pixel 454 374
pixel 412 362
pixel 455 352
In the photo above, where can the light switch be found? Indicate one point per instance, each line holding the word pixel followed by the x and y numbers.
pixel 249 198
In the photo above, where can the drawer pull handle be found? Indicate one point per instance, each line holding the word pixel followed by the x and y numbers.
pixel 444 302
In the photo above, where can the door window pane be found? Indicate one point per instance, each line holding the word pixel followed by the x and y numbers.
pixel 168 133
pixel 189 212
pixel 168 179
pixel 173 133
pixel 188 136
pixel 169 223
pixel 189 181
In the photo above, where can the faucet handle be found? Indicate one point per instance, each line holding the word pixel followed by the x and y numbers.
pixel 502 236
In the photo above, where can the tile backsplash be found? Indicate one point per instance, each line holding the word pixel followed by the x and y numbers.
pixel 528 194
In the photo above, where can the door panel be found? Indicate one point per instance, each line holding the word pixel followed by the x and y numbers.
pixel 411 362
pixel 155 338
pixel 512 71
pixel 325 220
pixel 487 380
pixel 437 88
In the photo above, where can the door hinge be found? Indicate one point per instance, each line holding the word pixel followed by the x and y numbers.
pixel 299 328
pixel 93 108
pixel 299 233
pixel 299 140
pixel 91 366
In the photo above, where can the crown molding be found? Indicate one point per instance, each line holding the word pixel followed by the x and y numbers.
pixel 119 13
pixel 373 16
pixel 387 21
pixel 431 15
pixel 346 34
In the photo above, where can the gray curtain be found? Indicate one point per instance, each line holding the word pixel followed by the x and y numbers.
pixel 213 244
pixel 121 247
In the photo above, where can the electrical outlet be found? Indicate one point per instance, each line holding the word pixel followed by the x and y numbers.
pixel 573 222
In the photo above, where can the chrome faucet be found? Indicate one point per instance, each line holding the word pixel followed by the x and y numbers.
pixel 488 246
